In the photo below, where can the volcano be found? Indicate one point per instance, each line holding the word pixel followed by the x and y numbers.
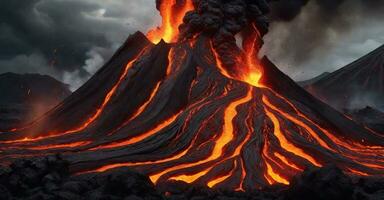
pixel 175 112
pixel 356 85
pixel 24 97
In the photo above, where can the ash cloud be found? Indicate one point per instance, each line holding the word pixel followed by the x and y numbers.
pixel 314 36
pixel 222 20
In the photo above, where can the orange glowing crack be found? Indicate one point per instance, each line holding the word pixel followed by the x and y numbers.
pixel 224 139
pixel 243 175
pixel 284 142
pixel 95 115
pixel 275 176
pixel 144 106
pixel 140 137
pixel 60 146
pixel 131 164
pixel 172 17
pixel 298 122
pixel 355 147
pixel 171 56
pixel 287 162
pixel 175 157
pixel 237 152
pixel 219 64
pixel 221 179
pixel 271 175
pixel 360 173
pixel 107 97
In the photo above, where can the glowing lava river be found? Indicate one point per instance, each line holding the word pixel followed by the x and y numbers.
pixel 174 113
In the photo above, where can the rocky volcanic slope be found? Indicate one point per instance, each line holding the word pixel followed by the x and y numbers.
pixel 25 97
pixel 170 112
pixel 356 85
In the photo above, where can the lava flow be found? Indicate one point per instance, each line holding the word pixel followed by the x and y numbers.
pixel 178 112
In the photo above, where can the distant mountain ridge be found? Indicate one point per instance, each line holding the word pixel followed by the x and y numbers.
pixel 356 85
pixel 370 117
pixel 313 80
pixel 26 96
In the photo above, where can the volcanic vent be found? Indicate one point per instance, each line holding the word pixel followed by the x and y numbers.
pixel 199 110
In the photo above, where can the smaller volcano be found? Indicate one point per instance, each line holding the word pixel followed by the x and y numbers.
pixel 25 97
pixel 369 117
pixel 356 85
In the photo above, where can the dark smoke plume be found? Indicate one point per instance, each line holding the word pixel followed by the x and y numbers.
pixel 306 30
pixel 222 20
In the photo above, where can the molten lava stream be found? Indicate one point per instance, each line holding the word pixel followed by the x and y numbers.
pixel 270 174
pixel 98 112
pixel 198 106
pixel 237 153
pixel 352 148
pixel 59 146
pixel 142 136
pixel 224 139
pixel 172 17
pixel 284 142
pixel 221 179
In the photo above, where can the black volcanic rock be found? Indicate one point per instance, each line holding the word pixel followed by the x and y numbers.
pixel 321 184
pixel 354 86
pixel 53 182
pixel 25 97
pixel 369 117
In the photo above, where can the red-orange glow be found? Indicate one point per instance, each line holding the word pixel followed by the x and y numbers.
pixel 271 175
pixel 98 112
pixel 60 146
pixel 275 176
pixel 172 17
pixel 252 71
pixel 360 173
pixel 224 139
pixel 299 123
pixel 221 179
pixel 176 57
pixel 287 162
pixel 106 99
pixel 284 142
pixel 243 175
pixel 139 137
pixel 131 164
pixel 170 60
pixel 219 64
pixel 144 106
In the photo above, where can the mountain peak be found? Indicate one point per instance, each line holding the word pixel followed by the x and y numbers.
pixel 170 111
pixel 356 85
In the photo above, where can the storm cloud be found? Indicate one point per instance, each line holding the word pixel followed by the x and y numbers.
pixel 315 36
pixel 68 39
pixel 71 39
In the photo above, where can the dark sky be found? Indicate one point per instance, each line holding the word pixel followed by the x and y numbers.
pixel 71 39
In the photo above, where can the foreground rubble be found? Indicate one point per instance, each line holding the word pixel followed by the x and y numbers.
pixel 49 178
